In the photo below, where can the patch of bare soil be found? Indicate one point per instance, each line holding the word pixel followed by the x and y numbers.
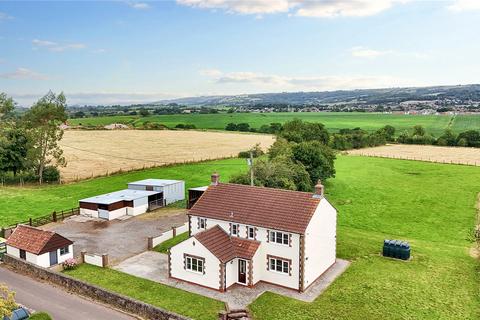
pixel 95 153
pixel 457 155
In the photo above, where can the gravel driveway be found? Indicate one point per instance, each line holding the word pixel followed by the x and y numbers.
pixel 120 239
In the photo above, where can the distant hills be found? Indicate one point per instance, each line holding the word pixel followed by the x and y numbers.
pixel 461 94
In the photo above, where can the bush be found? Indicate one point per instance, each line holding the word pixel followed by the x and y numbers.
pixel 70 264
pixel 51 174
pixel 185 126
pixel 40 316
pixel 256 152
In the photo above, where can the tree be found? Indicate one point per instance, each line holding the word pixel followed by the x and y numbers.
pixel 7 105
pixel 231 127
pixel 280 173
pixel 317 158
pixel 388 131
pixel 281 147
pixel 418 130
pixel 43 120
pixel 7 301
pixel 471 138
pixel 448 138
pixel 299 131
pixel 144 112
pixel 245 127
pixel 13 150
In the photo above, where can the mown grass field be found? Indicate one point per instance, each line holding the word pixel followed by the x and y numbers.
pixel 21 203
pixel 333 120
pixel 430 205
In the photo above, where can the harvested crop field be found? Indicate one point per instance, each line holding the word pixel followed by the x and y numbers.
pixel 458 155
pixel 96 153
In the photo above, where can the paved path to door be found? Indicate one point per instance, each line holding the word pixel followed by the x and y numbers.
pixel 60 304
pixel 120 239
pixel 153 265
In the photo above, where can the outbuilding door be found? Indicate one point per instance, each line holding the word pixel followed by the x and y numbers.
pixel 53 258
pixel 242 271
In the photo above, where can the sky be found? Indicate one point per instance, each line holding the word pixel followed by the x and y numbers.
pixel 129 52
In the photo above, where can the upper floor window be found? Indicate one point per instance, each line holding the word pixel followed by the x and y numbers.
pixel 250 232
pixel 234 229
pixel 279 237
pixel 202 223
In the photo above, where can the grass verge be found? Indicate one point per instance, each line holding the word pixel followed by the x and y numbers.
pixel 166 245
pixel 169 298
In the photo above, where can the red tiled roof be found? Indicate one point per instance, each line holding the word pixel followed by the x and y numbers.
pixel 265 207
pixel 225 247
pixel 35 240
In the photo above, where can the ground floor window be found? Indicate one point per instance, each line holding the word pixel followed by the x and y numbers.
pixel 279 265
pixel 23 254
pixel 64 250
pixel 194 264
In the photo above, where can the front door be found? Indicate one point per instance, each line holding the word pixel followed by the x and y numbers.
pixel 242 271
pixel 53 258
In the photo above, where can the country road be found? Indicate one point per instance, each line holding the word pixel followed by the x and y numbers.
pixel 60 304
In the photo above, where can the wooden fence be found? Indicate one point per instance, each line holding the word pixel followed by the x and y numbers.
pixel 55 216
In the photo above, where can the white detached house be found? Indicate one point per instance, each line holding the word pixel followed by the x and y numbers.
pixel 243 235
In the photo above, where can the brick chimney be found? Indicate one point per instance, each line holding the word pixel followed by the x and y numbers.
pixel 319 190
pixel 215 179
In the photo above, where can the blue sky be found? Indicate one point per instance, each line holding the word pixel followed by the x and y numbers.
pixel 123 52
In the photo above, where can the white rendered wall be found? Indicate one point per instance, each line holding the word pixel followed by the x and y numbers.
pixel 173 192
pixel 232 272
pixel 69 255
pixel 94 259
pixel 13 251
pixel 42 260
pixel 89 212
pixel 320 242
pixel 266 248
pixel 210 279
pixel 116 213
pixel 140 206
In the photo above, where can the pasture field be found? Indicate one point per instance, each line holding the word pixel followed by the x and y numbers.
pixel 430 205
pixel 95 153
pixel 458 155
pixel 334 121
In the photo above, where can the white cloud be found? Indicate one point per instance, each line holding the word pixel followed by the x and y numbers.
pixel 464 5
pixel 139 5
pixel 304 8
pixel 210 72
pixel 100 50
pixel 362 52
pixel 56 47
pixel 24 74
pixel 239 6
pixel 312 83
pixel 4 16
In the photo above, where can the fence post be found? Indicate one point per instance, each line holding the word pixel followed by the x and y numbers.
pixel 104 260
pixel 149 243
pixel 30 222
pixel 54 216
pixel 174 231
pixel 82 256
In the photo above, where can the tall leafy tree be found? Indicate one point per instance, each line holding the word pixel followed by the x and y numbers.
pixel 6 106
pixel 317 158
pixel 299 131
pixel 13 150
pixel 43 122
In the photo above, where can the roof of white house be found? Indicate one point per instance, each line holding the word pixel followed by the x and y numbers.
pixel 155 182
pixel 126 194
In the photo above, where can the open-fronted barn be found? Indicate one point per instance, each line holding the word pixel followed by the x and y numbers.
pixel 173 190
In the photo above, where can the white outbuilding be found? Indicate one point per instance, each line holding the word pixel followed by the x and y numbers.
pixel 40 247
pixel 127 202
pixel 173 190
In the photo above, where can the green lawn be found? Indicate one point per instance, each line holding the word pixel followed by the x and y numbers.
pixel 166 245
pixel 169 298
pixel 430 205
pixel 20 203
pixel 332 120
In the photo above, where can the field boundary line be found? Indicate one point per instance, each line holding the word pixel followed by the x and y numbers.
pixel 396 157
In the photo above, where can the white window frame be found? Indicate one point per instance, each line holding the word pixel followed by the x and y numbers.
pixel 249 228
pixel 284 237
pixel 199 264
pixel 236 227
pixel 66 250
pixel 274 264
pixel 202 221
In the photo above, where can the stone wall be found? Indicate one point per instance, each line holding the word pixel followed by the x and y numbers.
pixel 118 301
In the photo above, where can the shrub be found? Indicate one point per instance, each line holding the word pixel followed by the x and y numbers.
pixel 256 152
pixel 70 264
pixel 40 316
pixel 51 174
